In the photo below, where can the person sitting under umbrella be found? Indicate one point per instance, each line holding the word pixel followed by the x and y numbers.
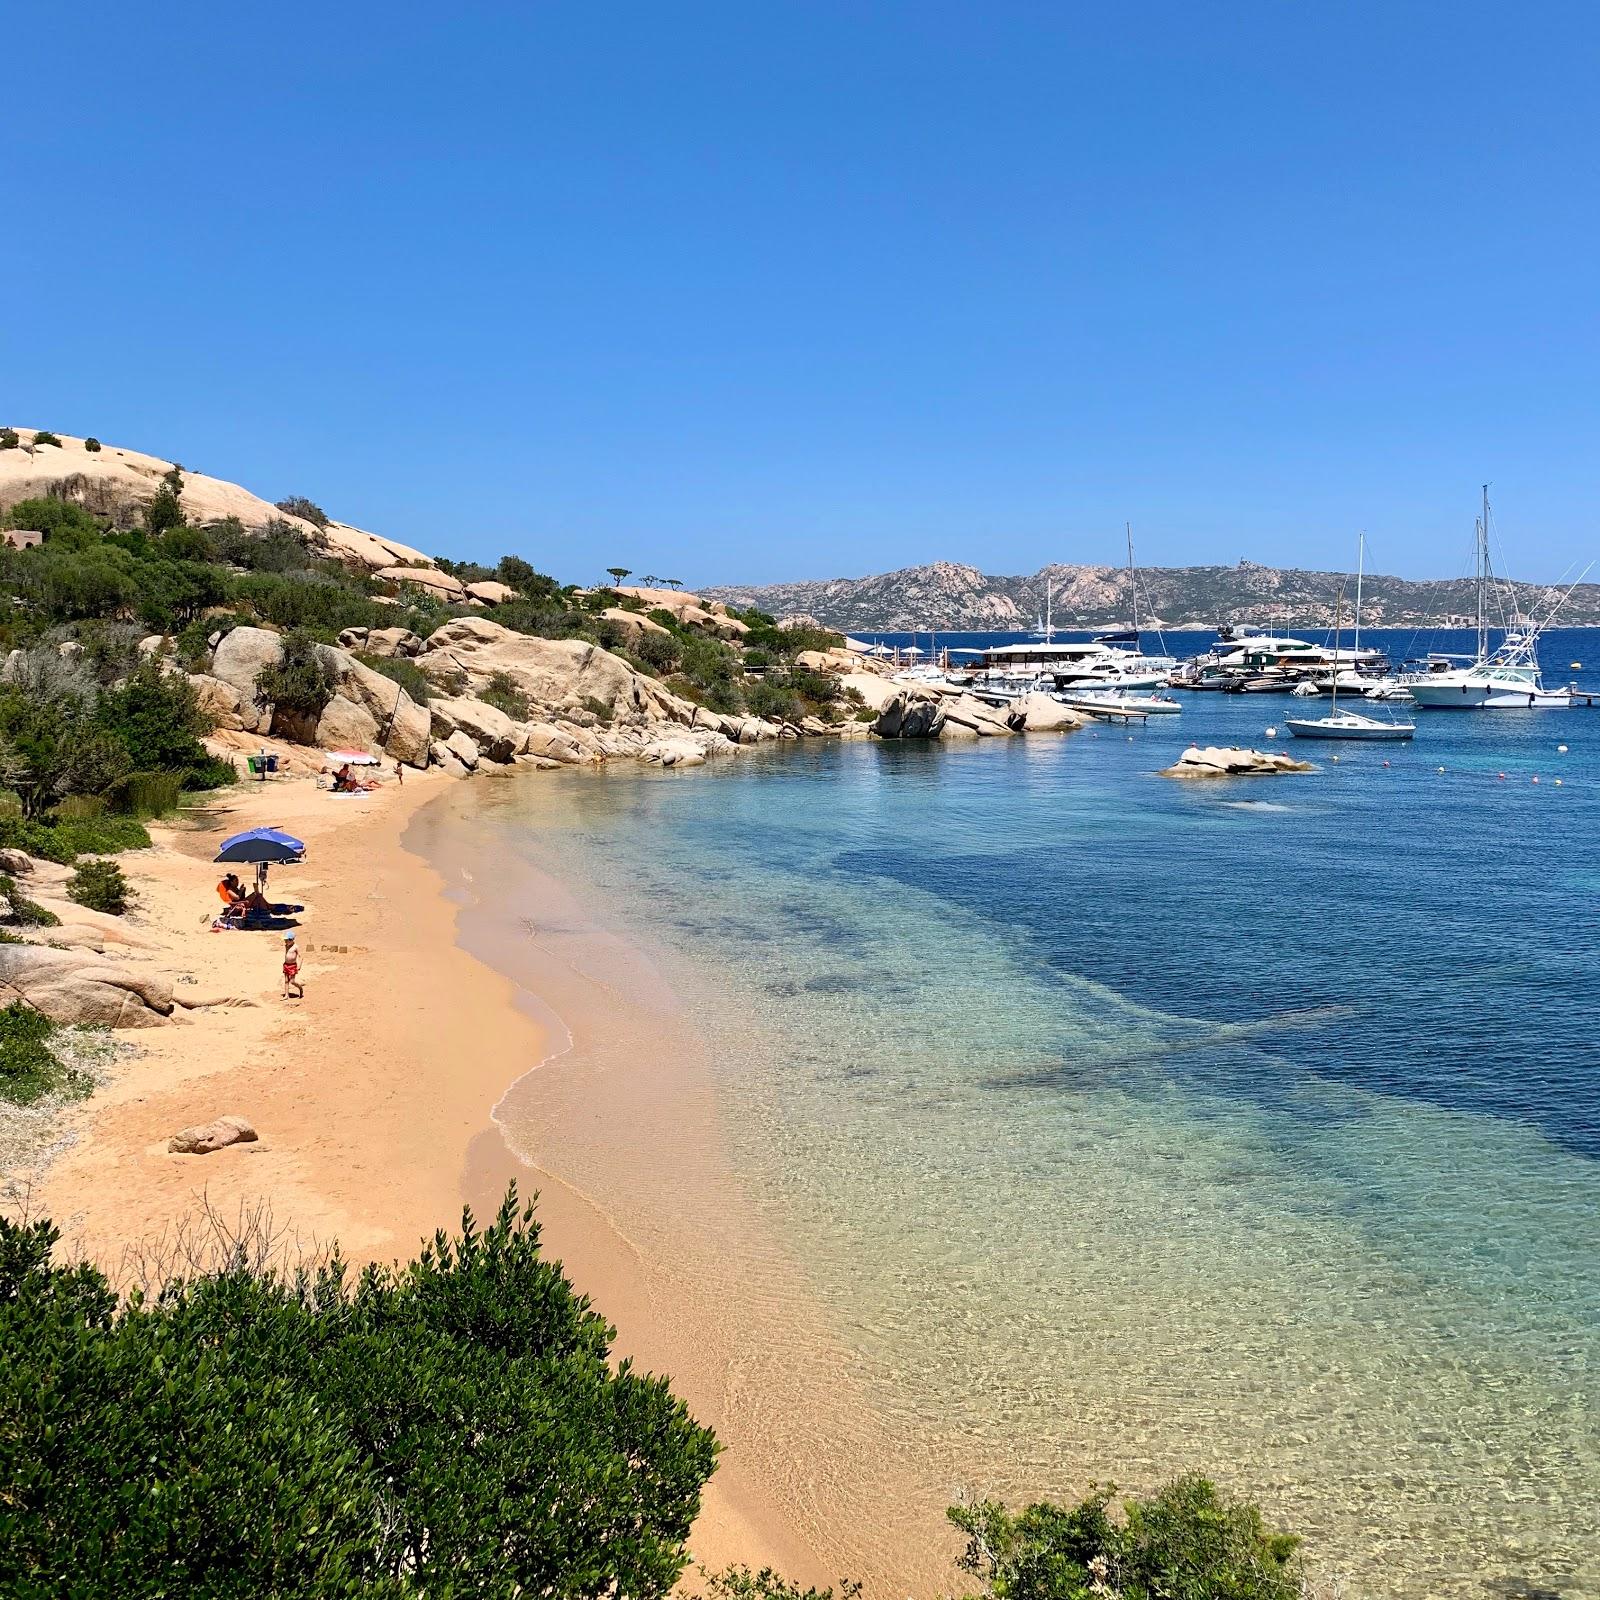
pixel 237 900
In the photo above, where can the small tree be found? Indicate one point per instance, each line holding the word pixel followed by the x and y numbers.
pixel 99 885
pixel 44 436
pixel 165 509
pixel 299 685
pixel 92 445
pixel 618 574
pixel 9 438
pixel 296 505
pixel 673 583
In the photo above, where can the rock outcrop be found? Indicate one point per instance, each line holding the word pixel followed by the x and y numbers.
pixel 1040 713
pixel 493 734
pixel 911 714
pixel 381 641
pixel 120 483
pixel 69 986
pixel 367 711
pixel 691 612
pixel 1216 762
pixel 209 1136
pixel 562 676
pixel 974 716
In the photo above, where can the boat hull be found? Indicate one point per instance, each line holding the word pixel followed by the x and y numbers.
pixel 1472 696
pixel 1334 728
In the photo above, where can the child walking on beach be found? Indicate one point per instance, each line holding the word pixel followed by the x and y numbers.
pixel 291 969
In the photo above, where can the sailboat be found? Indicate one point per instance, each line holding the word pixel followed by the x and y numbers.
pixel 1346 724
pixel 1507 676
pixel 1047 628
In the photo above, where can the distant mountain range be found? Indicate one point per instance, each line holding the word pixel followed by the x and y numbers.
pixel 947 595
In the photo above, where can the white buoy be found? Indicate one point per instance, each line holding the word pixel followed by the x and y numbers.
pixel 1441 769
pixel 1561 749
pixel 1272 733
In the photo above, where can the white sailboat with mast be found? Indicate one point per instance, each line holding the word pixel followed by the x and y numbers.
pixel 1505 678
pixel 1347 724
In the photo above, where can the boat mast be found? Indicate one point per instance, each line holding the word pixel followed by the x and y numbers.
pixel 1361 562
pixel 1338 619
pixel 1483 579
pixel 1133 584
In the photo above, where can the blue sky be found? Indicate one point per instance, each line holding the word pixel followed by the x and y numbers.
pixel 761 290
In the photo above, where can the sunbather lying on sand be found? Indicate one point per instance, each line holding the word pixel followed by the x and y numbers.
pixel 346 782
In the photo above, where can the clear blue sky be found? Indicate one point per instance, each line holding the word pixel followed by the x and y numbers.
pixel 766 289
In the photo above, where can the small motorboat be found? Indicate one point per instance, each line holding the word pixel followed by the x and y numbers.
pixel 1108 703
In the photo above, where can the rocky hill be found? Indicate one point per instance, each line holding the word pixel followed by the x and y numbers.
pixel 115 482
pixel 948 595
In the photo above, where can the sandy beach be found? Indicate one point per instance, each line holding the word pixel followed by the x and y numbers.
pixel 373 1099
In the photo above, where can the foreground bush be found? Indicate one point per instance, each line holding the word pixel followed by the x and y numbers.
pixel 100 886
pixel 28 1070
pixel 1185 1543
pixel 450 1428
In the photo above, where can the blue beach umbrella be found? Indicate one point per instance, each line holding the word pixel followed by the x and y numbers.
pixel 257 845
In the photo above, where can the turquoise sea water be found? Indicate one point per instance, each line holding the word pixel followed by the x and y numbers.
pixel 1126 1126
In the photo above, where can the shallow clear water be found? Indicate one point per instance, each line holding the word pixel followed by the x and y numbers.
pixel 1127 1126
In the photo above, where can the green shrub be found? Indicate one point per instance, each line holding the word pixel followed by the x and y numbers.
pixel 25 913
pixel 165 509
pixel 296 505
pixel 503 694
pixel 300 683
pixel 155 717
pixel 92 445
pixel 407 674
pixel 65 841
pixel 773 700
pixel 213 773
pixel 80 808
pixel 9 439
pixel 598 709
pixel 149 794
pixel 740 1583
pixel 44 436
pixel 99 885
pixel 1185 1543
pixel 659 650
pixel 28 1071
pixel 450 1427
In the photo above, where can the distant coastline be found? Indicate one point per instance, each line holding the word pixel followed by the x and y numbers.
pixel 950 595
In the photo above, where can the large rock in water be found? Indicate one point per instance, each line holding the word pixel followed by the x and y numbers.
pixel 970 713
pixel 911 714
pixel 68 986
pixel 563 676
pixel 1042 713
pixel 1216 762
